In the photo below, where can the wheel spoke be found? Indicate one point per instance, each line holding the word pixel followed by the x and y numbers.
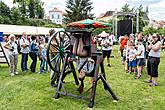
pixel 56 63
pixel 55 41
pixel 54 57
pixel 55 47
pixel 66 46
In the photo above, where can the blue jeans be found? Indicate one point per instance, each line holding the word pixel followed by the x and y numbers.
pixel 24 61
pixel 43 62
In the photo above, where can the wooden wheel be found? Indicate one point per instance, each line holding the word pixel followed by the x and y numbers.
pixel 58 45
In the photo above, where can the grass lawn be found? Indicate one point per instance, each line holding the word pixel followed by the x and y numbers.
pixel 28 91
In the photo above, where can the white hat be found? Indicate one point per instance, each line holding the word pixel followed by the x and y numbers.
pixel 154 35
pixel 11 35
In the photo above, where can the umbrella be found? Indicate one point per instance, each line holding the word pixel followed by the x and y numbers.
pixel 87 23
pixel 103 34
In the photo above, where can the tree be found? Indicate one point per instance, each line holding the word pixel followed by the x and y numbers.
pixel 39 9
pixel 78 10
pixel 126 8
pixel 15 15
pixel 142 23
pixel 31 8
pixel 4 13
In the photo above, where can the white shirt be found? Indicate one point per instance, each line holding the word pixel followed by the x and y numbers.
pixel 141 48
pixel 107 41
pixel 113 38
pixel 153 53
pixel 24 41
pixel 132 53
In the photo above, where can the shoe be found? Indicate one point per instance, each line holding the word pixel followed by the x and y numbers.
pixel 12 74
pixel 16 73
pixel 53 85
pixel 149 81
pixel 80 89
pixel 40 72
pixel 109 65
pixel 138 76
pixel 33 71
pixel 153 84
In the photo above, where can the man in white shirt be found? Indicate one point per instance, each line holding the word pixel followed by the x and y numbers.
pixel 113 40
pixel 24 43
pixel 107 48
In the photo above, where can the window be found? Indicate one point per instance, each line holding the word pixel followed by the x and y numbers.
pixel 58 16
pixel 52 16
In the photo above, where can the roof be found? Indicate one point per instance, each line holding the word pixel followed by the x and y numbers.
pixel 109 13
pixel 18 30
pixel 55 10
pixel 101 15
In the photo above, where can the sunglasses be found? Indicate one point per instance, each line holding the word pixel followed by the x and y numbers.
pixel 154 37
pixel 139 40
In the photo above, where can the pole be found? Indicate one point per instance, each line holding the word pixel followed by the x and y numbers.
pixel 137 21
pixel 113 25
pixel 116 23
pixel 132 25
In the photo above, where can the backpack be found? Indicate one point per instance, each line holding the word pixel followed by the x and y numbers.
pixel 18 47
pixel 33 47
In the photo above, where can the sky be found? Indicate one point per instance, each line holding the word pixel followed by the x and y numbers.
pixel 156 7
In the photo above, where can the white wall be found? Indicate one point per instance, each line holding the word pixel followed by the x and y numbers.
pixel 58 17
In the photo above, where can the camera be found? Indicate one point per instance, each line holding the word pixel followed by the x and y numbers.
pixel 12 48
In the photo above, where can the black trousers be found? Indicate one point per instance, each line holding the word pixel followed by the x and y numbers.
pixel 33 56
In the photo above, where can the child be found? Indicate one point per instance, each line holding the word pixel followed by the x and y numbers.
pixel 132 58
pixel 124 55
pixel 78 49
pixel 140 57
pixel 44 57
pixel 13 54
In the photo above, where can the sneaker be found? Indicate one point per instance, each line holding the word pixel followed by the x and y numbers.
pixel 109 65
pixel 40 72
pixel 12 74
pixel 153 84
pixel 15 73
pixel 138 76
pixel 53 85
pixel 149 81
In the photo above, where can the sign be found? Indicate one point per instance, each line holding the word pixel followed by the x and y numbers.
pixel 1 36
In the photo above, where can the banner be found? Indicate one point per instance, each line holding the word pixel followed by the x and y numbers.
pixel 1 36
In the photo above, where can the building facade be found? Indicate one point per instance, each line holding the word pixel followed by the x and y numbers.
pixel 56 16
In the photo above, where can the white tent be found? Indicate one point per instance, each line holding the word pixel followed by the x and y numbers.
pixel 18 30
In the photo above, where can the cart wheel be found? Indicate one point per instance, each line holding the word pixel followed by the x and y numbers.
pixel 58 45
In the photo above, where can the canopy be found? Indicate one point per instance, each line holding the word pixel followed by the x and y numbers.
pixel 103 34
pixel 30 30
pixel 88 23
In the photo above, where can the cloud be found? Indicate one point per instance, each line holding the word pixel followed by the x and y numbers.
pixel 143 2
